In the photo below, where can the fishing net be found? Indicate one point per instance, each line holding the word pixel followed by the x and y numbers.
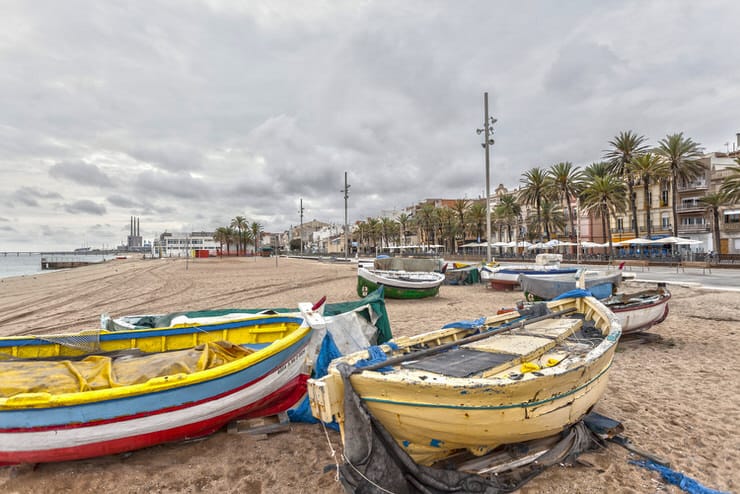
pixel 87 342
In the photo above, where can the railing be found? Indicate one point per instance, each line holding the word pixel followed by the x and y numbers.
pixel 692 228
pixel 731 227
pixel 693 186
pixel 685 208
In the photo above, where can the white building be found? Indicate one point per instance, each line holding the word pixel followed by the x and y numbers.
pixel 184 244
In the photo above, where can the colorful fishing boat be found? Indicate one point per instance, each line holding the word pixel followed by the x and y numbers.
pixel 144 387
pixel 399 284
pixel 475 386
pixel 66 397
pixel 601 284
pixel 640 310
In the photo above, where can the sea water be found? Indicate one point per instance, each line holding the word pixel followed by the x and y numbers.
pixel 19 264
pixel 23 264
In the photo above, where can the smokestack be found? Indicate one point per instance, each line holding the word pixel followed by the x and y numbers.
pixel 737 136
pixel 131 227
pixel 137 226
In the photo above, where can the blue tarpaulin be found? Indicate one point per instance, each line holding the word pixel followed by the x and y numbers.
pixel 687 484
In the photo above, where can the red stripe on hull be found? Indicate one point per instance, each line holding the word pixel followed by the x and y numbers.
pixel 271 404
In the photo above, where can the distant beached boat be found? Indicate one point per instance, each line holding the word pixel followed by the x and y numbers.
pixel 640 310
pixel 601 284
pixel 399 284
pixel 507 277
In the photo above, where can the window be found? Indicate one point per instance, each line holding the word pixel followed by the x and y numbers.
pixel 664 198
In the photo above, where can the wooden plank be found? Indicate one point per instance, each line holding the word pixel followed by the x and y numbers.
pixel 260 427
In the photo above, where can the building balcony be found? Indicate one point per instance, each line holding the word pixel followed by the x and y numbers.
pixel 693 228
pixel 731 227
pixel 655 229
pixel 691 208
pixel 693 186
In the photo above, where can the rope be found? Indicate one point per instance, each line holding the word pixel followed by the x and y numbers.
pixel 344 458
pixel 363 476
pixel 333 451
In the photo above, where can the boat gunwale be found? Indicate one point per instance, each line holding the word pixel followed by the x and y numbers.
pixel 158 384
pixel 610 339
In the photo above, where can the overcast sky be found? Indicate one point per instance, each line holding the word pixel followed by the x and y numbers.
pixel 188 113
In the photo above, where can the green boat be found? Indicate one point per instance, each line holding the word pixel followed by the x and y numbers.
pixel 399 284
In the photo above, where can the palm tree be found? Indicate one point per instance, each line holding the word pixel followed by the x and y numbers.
pixel 552 216
pixel 223 235
pixel 387 229
pixel 646 167
pixel 460 207
pixel 713 202
pixel 534 191
pixel 624 148
pixel 403 221
pixel 568 182
pixel 605 195
pixel 426 220
pixel 362 234
pixel 598 169
pixel 731 183
pixel 477 219
pixel 256 233
pixel 510 211
pixel 681 155
pixel 374 232
pixel 240 224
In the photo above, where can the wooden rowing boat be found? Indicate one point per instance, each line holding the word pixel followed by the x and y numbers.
pixel 474 387
pixel 641 310
pixel 144 387
pixel 93 393
pixel 399 284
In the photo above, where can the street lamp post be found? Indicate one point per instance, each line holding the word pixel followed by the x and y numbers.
pixel 488 131
pixel 301 230
pixel 346 224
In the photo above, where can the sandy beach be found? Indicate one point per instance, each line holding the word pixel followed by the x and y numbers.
pixel 676 393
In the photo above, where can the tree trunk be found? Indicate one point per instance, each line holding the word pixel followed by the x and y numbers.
pixel 674 199
pixel 648 219
pixel 633 204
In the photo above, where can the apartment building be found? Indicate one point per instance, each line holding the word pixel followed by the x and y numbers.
pixel 694 218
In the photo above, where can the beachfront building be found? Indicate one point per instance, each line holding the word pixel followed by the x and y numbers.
pixel 184 244
pixel 304 232
pixel 694 216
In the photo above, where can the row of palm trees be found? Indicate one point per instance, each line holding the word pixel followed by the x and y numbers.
pixel 603 189
pixel 239 233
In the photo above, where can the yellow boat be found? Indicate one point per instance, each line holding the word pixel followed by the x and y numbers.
pixel 475 386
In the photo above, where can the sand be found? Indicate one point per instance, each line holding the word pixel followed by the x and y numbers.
pixel 677 393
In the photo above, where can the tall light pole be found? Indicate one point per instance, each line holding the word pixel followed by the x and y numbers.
pixel 488 131
pixel 346 224
pixel 301 230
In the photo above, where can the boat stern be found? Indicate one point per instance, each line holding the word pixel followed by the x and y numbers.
pixel 326 397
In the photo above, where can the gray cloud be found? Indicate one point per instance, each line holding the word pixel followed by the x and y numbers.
pixel 81 173
pixel 232 109
pixel 85 206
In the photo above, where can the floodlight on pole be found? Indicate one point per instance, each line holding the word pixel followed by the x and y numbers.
pixel 488 131
pixel 346 223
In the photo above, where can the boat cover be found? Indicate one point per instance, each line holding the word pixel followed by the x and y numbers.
pixel 371 307
pixel 102 371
